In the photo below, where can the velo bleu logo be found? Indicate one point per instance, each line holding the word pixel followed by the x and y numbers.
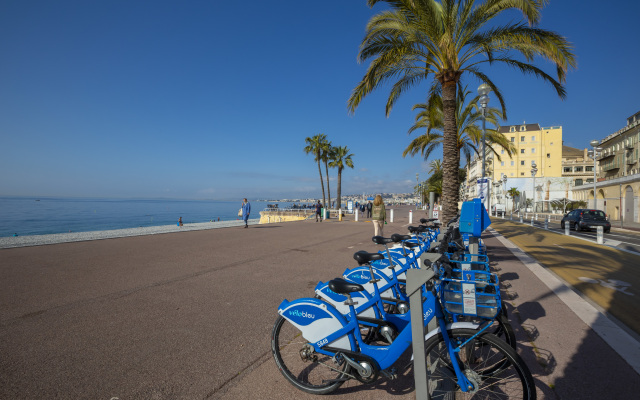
pixel 305 314
pixel 298 313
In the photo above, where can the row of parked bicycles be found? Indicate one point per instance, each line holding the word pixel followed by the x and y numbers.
pixel 358 326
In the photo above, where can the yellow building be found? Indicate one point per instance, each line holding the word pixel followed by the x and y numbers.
pixel 533 144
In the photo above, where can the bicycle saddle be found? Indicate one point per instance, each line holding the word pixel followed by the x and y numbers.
pixel 381 240
pixel 363 257
pixel 396 237
pixel 341 286
pixel 425 220
pixel 417 229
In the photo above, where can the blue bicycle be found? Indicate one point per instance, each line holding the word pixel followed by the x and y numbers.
pixel 317 349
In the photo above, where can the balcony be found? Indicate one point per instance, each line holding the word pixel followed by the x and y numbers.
pixel 631 161
pixel 610 167
pixel 605 156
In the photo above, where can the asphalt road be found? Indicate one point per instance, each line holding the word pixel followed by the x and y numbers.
pixel 620 238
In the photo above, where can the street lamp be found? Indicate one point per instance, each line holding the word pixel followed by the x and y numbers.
pixel 504 182
pixel 534 171
pixel 483 91
pixel 595 153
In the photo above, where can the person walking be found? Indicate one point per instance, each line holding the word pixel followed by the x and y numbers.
pixel 246 210
pixel 379 215
pixel 318 210
pixel 369 209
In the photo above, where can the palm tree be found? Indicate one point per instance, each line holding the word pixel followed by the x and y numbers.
pixel 327 151
pixel 416 38
pixel 315 145
pixel 469 136
pixel 340 159
pixel 435 167
pixel 513 193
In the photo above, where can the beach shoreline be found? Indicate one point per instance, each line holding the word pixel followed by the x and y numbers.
pixel 55 238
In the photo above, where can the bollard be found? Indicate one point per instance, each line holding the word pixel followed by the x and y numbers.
pixel 410 216
pixel 546 224
pixel 521 219
pixel 511 216
pixel 340 214
pixel 532 220
pixel 566 230
pixel 536 215
pixel 391 218
pixel 357 215
pixel 600 235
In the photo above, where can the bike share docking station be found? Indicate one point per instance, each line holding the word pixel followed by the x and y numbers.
pixel 473 221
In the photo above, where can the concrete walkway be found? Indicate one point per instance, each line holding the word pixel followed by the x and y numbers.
pixel 188 315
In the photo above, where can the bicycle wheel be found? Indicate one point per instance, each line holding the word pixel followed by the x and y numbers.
pixel 306 370
pixel 494 368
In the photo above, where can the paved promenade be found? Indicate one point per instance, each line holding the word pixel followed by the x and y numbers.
pixel 188 315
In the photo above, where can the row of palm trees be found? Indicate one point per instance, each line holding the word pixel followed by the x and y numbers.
pixel 332 156
pixel 442 41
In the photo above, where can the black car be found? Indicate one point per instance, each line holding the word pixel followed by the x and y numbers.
pixel 584 219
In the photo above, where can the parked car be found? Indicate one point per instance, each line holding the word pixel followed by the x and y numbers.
pixel 585 219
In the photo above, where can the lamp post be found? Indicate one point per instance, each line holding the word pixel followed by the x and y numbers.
pixel 504 183
pixel 534 171
pixel 595 153
pixel 417 184
pixel 483 91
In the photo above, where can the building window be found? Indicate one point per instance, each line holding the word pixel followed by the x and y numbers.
pixel 533 138
pixel 551 144
pixel 590 180
pixel 522 162
pixel 521 173
pixel 502 163
pixel 578 182
pixel 513 129
pixel 512 163
pixel 588 169
pixel 512 174
pixel 548 155
pixel 522 128
pixel 533 150
pixel 502 151
pixel 567 169
pixel 522 138
pixel 521 151
pixel 513 139
pixel 578 169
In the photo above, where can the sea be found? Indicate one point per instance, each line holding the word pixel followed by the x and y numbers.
pixel 46 215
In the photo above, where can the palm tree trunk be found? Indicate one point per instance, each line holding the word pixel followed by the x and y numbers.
pixel 326 167
pixel 450 152
pixel 339 202
pixel 321 181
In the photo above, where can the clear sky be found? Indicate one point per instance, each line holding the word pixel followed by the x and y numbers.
pixel 214 99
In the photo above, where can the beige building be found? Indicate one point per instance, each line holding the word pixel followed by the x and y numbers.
pixel 617 186
pixel 533 144
pixel 578 165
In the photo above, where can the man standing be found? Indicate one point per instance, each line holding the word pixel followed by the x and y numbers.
pixel 246 210
pixel 318 210
pixel 369 209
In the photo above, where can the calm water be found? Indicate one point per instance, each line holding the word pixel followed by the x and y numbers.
pixel 39 216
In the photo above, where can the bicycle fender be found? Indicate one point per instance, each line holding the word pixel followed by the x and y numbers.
pixel 362 275
pixel 316 320
pixel 455 325
pixel 337 300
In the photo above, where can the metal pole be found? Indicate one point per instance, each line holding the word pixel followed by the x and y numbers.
pixel 595 204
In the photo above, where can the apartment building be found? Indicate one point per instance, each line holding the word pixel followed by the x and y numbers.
pixel 617 187
pixel 533 144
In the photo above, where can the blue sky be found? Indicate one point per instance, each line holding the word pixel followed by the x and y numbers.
pixel 213 99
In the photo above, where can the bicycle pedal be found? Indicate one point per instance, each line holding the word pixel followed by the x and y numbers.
pixel 391 374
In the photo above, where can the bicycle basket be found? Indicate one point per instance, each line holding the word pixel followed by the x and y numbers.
pixel 477 294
